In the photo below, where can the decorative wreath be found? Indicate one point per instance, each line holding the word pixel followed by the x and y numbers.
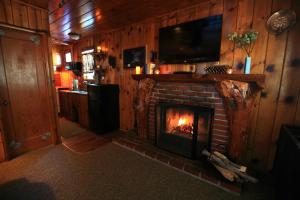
pixel 281 21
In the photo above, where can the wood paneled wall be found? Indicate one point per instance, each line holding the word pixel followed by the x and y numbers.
pixel 278 57
pixel 23 15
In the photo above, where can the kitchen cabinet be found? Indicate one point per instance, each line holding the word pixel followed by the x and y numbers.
pixel 74 106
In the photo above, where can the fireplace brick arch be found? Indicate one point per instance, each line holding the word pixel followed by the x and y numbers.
pixel 195 95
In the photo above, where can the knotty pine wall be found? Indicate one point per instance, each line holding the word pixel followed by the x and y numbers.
pixel 278 57
pixel 23 15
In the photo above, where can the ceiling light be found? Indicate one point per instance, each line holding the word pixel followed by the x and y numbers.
pixel 74 36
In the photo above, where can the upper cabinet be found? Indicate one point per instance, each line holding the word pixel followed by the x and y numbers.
pixel 23 15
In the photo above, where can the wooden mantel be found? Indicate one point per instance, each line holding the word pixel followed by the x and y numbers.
pixel 258 79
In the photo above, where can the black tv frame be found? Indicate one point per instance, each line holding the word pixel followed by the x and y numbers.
pixel 189 61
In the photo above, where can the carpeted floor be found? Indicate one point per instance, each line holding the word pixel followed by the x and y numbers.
pixel 109 172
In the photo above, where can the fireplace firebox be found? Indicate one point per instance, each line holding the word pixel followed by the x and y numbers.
pixel 183 129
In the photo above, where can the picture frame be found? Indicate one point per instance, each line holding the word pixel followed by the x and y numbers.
pixel 134 57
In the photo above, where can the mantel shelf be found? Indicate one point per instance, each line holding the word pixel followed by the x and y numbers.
pixel 258 79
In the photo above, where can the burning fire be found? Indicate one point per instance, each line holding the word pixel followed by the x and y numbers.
pixel 181 122
pixel 184 126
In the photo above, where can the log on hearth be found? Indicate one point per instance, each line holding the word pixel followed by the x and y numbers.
pixel 228 169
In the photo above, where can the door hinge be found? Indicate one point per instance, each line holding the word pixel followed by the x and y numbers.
pixel 46 136
pixel 2 33
pixel 15 145
pixel 35 39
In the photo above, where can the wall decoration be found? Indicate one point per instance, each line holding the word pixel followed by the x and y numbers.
pixel 153 56
pixel 112 60
pixel 134 57
pixel 281 21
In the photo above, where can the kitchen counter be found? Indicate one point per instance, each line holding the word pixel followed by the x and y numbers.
pixel 82 92
pixel 74 106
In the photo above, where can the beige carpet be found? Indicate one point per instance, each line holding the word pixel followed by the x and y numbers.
pixel 108 173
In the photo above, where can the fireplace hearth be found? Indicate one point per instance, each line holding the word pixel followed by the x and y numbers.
pixel 184 129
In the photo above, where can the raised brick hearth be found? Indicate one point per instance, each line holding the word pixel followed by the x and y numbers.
pixel 194 94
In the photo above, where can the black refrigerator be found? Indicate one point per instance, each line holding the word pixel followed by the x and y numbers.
pixel 104 114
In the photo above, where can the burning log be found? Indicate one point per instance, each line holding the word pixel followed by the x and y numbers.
pixel 228 169
pixel 186 129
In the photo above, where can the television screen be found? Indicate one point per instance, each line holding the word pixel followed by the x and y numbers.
pixel 192 42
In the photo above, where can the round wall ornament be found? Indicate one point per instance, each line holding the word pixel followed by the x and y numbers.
pixel 281 21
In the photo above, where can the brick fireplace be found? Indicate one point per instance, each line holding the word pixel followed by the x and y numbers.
pixel 230 96
pixel 191 94
pixel 184 129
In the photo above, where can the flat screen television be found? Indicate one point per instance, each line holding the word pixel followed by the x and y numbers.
pixel 192 42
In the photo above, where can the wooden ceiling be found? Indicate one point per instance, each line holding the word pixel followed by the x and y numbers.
pixel 88 16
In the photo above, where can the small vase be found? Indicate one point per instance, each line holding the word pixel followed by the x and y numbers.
pixel 247 65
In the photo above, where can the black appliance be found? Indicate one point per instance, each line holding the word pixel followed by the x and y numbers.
pixel 286 169
pixel 103 101
pixel 74 66
pixel 191 42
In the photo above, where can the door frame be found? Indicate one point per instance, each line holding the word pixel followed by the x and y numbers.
pixel 45 41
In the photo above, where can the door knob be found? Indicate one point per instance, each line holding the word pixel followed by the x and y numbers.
pixel 5 103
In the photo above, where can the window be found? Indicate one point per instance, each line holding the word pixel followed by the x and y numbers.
pixel 56 59
pixel 88 64
pixel 68 57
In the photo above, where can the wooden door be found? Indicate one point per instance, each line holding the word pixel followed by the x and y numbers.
pixel 25 100
pixel 3 155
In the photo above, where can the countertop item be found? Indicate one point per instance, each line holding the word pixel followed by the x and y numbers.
pixel 76 91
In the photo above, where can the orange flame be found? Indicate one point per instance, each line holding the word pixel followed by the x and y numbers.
pixel 181 122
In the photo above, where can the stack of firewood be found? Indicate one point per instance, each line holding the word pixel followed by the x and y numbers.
pixel 231 171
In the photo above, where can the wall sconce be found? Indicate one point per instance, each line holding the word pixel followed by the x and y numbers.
pixel 56 61
pixel 99 49
pixel 138 70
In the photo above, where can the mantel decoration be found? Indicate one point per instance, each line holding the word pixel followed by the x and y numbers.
pixel 217 69
pixel 281 21
pixel 245 41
